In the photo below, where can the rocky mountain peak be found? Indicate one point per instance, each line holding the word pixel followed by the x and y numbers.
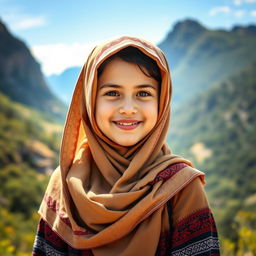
pixel 181 37
pixel 188 25
pixel 21 78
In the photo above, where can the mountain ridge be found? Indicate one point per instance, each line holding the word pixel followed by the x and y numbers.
pixel 211 56
pixel 198 57
pixel 21 78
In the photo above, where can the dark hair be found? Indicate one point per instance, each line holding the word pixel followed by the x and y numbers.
pixel 134 55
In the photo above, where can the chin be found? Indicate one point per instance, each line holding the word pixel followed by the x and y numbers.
pixel 127 143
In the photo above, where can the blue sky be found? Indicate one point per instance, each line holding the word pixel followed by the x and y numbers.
pixel 61 33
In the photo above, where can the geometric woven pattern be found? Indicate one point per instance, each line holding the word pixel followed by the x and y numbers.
pixel 168 172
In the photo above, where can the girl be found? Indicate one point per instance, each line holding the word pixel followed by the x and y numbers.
pixel 119 190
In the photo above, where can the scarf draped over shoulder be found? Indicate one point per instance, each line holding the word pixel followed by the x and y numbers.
pixel 102 197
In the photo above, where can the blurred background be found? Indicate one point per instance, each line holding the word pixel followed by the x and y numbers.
pixel 211 49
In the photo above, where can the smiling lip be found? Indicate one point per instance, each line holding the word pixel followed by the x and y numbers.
pixel 127 124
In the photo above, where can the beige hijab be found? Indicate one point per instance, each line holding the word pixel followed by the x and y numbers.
pixel 99 197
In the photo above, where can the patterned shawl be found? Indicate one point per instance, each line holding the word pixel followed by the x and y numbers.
pixel 101 196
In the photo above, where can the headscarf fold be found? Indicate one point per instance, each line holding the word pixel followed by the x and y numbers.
pixel 99 197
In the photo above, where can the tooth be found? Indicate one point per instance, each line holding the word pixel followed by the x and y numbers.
pixel 127 123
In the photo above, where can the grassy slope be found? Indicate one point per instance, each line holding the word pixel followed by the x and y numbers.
pixel 26 135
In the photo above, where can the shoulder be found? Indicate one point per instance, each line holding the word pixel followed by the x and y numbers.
pixel 193 227
pixel 190 199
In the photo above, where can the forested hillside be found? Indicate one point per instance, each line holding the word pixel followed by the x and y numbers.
pixel 29 144
pixel 217 130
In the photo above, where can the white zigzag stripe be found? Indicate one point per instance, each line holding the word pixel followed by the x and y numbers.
pixel 199 247
pixel 43 246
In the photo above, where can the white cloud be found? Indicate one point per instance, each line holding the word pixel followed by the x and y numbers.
pixel 237 2
pixel 253 13
pixel 219 9
pixel 55 58
pixel 28 22
pixel 250 1
pixel 226 10
pixel 18 20
pixel 240 2
pixel 239 13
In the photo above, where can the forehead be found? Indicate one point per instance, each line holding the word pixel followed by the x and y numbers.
pixel 122 72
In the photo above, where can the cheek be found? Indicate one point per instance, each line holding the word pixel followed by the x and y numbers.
pixel 151 110
pixel 103 110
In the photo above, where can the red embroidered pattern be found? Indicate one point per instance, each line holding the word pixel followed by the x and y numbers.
pixel 49 235
pixel 168 172
pixel 54 206
pixel 47 242
pixel 196 224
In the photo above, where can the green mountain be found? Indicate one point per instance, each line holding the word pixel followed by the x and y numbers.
pixel 28 137
pixel 21 78
pixel 200 57
pixel 31 119
pixel 217 130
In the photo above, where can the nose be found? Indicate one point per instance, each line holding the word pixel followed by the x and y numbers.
pixel 128 107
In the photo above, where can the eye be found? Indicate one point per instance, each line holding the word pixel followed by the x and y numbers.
pixel 112 93
pixel 144 94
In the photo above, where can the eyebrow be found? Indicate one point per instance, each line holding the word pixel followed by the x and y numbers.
pixel 110 85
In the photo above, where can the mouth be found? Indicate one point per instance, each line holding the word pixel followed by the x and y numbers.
pixel 127 125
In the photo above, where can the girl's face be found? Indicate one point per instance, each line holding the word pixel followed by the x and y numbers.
pixel 126 103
